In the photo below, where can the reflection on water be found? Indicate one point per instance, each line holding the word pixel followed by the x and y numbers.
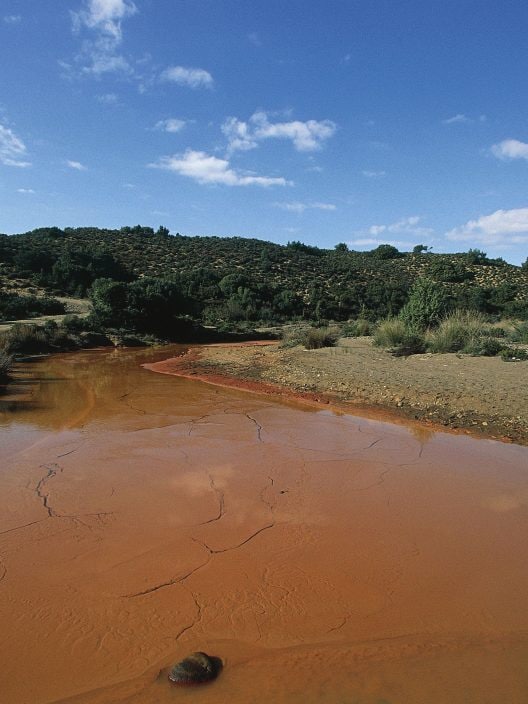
pixel 324 557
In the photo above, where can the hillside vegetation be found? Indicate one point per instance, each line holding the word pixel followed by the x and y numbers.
pixel 152 282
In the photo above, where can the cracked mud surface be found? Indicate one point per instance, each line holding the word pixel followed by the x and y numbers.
pixel 480 395
pixel 325 558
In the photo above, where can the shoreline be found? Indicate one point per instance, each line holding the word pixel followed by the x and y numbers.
pixel 263 367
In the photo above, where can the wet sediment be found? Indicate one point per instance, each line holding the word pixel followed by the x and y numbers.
pixel 323 557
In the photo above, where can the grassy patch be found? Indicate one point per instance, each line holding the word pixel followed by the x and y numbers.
pixel 461 329
pixel 316 338
pixel 357 328
pixel 390 332
pixel 24 339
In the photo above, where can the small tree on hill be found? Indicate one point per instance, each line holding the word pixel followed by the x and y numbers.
pixel 476 256
pixel 385 251
pixel 420 248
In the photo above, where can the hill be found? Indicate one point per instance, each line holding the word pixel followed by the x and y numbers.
pixel 229 280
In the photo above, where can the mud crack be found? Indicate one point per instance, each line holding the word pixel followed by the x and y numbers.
pixel 196 619
pixel 170 582
pixel 195 421
pixel 52 471
pixel 221 502
pixel 258 426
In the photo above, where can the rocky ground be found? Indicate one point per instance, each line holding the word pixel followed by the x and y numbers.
pixel 483 395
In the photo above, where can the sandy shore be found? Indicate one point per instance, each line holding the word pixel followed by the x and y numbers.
pixel 481 395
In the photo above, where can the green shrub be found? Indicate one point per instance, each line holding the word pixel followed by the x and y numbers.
pixel 483 347
pixel 15 307
pixel 456 332
pixel 449 271
pixel 412 343
pixel 519 333
pixel 293 336
pixel 509 354
pixel 425 307
pixel 25 339
pixel 390 332
pixel 74 323
pixel 499 332
pixel 357 328
pixel 315 338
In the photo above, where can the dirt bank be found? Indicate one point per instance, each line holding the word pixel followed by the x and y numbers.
pixel 482 395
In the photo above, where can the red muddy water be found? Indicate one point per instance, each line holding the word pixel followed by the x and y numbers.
pixel 323 557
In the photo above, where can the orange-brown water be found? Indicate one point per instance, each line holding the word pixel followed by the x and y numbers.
pixel 324 557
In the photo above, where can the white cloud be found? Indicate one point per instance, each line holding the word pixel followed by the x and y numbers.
pixel 305 136
pixel 172 124
pixel 104 16
pixel 192 77
pixel 102 58
pixel 254 38
pixel 13 151
pixel 298 207
pixel 510 149
pixel 374 174
pixel 460 118
pixel 103 19
pixel 239 135
pixel 25 190
pixel 375 242
pixel 108 99
pixel 501 227
pixel 205 169
pixel 75 165
pixel 408 225
pixel 12 19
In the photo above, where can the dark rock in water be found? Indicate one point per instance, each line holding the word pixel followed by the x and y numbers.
pixel 197 668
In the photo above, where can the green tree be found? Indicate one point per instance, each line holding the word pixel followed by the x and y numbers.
pixel 426 305
pixel 385 251
pixel 476 256
pixel 110 301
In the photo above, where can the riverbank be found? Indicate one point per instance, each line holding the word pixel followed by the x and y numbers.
pixel 480 395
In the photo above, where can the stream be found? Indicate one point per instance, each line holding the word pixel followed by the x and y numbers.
pixel 324 557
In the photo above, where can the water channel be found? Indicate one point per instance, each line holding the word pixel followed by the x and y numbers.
pixel 325 558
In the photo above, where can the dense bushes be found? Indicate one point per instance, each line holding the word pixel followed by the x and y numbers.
pixel 460 331
pixel 15 307
pixel 148 306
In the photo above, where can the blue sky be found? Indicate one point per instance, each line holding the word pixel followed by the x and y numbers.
pixel 358 121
